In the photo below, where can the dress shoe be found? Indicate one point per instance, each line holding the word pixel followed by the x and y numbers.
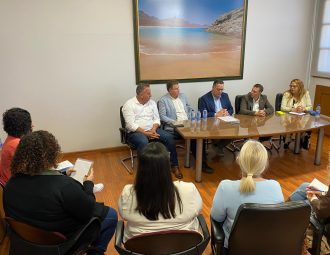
pixel 177 172
pixel 206 168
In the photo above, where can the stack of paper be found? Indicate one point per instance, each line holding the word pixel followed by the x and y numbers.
pixel 297 113
pixel 229 119
pixel 64 166
pixel 318 185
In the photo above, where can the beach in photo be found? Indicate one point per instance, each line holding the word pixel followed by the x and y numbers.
pixel 174 44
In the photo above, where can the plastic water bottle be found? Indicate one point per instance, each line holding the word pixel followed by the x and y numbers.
pixel 193 117
pixel 317 112
pixel 204 114
pixel 198 116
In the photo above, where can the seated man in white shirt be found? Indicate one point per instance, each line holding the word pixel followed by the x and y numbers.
pixel 142 122
pixel 174 106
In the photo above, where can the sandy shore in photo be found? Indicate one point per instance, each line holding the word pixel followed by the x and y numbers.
pixel 159 67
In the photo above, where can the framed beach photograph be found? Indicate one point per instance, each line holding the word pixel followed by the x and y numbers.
pixel 189 40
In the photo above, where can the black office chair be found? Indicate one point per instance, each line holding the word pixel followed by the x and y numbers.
pixel 183 242
pixel 29 240
pixel 259 229
pixel 320 229
pixel 235 145
pixel 278 101
pixel 124 140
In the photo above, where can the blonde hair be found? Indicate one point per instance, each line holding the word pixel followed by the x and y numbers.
pixel 301 89
pixel 253 160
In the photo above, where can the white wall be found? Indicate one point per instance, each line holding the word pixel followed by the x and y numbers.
pixel 71 62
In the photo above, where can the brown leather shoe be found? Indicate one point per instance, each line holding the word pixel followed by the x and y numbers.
pixel 177 172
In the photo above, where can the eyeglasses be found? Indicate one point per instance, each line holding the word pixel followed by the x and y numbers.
pixel 293 86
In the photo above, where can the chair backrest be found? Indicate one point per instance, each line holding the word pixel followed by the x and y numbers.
pixel 34 234
pixel 269 229
pixel 278 101
pixel 164 242
pixel 30 240
pixel 238 100
pixel 122 119
pixel 2 216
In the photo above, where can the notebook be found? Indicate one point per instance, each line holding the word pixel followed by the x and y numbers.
pixel 82 168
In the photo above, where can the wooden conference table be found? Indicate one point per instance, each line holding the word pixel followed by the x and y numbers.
pixel 249 127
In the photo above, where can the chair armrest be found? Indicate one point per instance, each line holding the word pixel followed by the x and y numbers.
pixel 217 231
pixel 119 238
pixel 202 223
pixel 317 224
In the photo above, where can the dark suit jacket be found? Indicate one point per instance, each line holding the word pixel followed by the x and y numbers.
pixel 207 102
pixel 247 105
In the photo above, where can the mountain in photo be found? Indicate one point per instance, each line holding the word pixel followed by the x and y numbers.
pixel 229 23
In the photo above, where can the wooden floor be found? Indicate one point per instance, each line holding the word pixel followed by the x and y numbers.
pixel 288 168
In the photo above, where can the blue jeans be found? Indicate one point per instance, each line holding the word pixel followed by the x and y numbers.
pixel 108 227
pixel 140 140
pixel 300 193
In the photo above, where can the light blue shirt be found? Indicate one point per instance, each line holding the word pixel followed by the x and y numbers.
pixel 228 198
pixel 217 104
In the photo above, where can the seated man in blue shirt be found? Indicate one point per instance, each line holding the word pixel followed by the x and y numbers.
pixel 217 104
pixel 142 122
pixel 174 106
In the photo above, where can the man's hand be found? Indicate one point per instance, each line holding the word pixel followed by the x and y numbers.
pixel 222 113
pixel 260 113
pixel 151 134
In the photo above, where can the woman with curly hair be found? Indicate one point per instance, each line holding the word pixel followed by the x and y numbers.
pixel 154 202
pixel 16 123
pixel 40 196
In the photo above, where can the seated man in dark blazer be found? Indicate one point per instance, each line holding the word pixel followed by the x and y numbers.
pixel 217 104
pixel 254 103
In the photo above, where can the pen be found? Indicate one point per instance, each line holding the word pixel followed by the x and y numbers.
pixel 313 189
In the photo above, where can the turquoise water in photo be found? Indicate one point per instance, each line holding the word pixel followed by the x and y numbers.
pixel 181 41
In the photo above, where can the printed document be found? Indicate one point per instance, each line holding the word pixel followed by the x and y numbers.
pixel 229 119
pixel 81 167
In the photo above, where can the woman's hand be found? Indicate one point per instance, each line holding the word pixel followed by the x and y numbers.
pixel 90 176
pixel 70 171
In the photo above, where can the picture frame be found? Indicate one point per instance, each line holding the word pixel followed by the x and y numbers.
pixel 189 40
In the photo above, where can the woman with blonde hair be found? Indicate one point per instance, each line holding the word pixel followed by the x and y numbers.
pixel 251 188
pixel 296 98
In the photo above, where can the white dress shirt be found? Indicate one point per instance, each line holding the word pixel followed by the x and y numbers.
pixel 179 108
pixel 255 105
pixel 140 115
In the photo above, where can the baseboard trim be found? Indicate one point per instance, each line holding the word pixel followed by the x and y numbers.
pixel 102 150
